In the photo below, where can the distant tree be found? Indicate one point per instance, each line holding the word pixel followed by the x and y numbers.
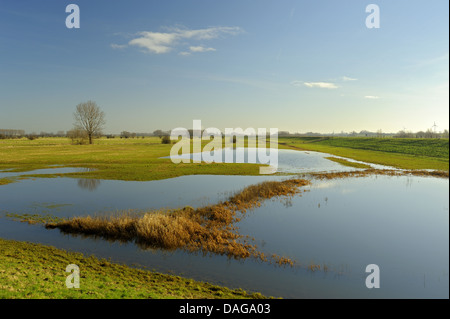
pixel 32 136
pixel 429 134
pixel 90 119
pixel 404 134
pixel 445 134
pixel 420 134
pixel 165 139
pixel 125 134
pixel 379 133
pixel 158 133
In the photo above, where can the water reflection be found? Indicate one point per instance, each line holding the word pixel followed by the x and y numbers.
pixel 43 171
pixel 89 184
pixel 289 161
pixel 399 223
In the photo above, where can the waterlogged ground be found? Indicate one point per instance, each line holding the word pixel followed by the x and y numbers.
pixel 287 161
pixel 400 223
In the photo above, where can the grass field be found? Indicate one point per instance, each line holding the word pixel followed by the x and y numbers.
pixel 140 159
pixel 396 152
pixel 32 271
pixel 117 159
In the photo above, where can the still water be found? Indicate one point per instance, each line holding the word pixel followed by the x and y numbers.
pixel 288 161
pixel 400 224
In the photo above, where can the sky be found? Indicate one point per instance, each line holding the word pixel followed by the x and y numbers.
pixel 299 66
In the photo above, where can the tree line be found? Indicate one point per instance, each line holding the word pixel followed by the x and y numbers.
pixel 89 120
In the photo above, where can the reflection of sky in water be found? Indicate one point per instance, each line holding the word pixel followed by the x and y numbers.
pixel 289 161
pixel 59 170
pixel 88 196
pixel 398 223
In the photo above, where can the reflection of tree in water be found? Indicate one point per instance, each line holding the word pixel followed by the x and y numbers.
pixel 88 183
pixel 287 202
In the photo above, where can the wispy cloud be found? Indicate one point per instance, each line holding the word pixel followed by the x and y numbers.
pixel 371 97
pixel 173 37
pixel 200 49
pixel 197 49
pixel 321 85
pixel 346 78
pixel 155 42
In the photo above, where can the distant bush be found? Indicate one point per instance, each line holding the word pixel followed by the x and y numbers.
pixel 31 137
pixel 78 136
pixel 165 139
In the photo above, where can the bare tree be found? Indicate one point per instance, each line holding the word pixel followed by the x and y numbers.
pixel 159 133
pixel 380 133
pixel 90 119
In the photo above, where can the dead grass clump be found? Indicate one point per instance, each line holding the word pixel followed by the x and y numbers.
pixel 165 230
pixel 209 229
pixel 114 228
pixel 388 172
pixel 252 196
pixel 441 174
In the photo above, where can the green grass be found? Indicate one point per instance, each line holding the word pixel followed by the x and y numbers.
pixel 139 159
pixel 33 271
pixel 34 218
pixel 400 153
pixel 115 159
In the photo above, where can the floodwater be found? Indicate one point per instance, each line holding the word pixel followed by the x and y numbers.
pixel 288 161
pixel 57 170
pixel 400 223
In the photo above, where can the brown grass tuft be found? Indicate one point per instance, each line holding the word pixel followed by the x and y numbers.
pixel 209 229
pixel 388 172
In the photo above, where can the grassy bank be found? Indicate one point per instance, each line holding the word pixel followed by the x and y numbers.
pixel 35 271
pixel 401 153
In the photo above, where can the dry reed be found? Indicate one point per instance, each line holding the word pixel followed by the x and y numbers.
pixel 208 229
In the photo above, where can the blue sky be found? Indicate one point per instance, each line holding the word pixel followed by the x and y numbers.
pixel 293 65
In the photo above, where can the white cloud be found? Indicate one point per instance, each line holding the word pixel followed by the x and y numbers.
pixel 200 49
pixel 321 85
pixel 372 97
pixel 205 34
pixel 297 83
pixel 346 78
pixel 155 42
pixel 164 42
